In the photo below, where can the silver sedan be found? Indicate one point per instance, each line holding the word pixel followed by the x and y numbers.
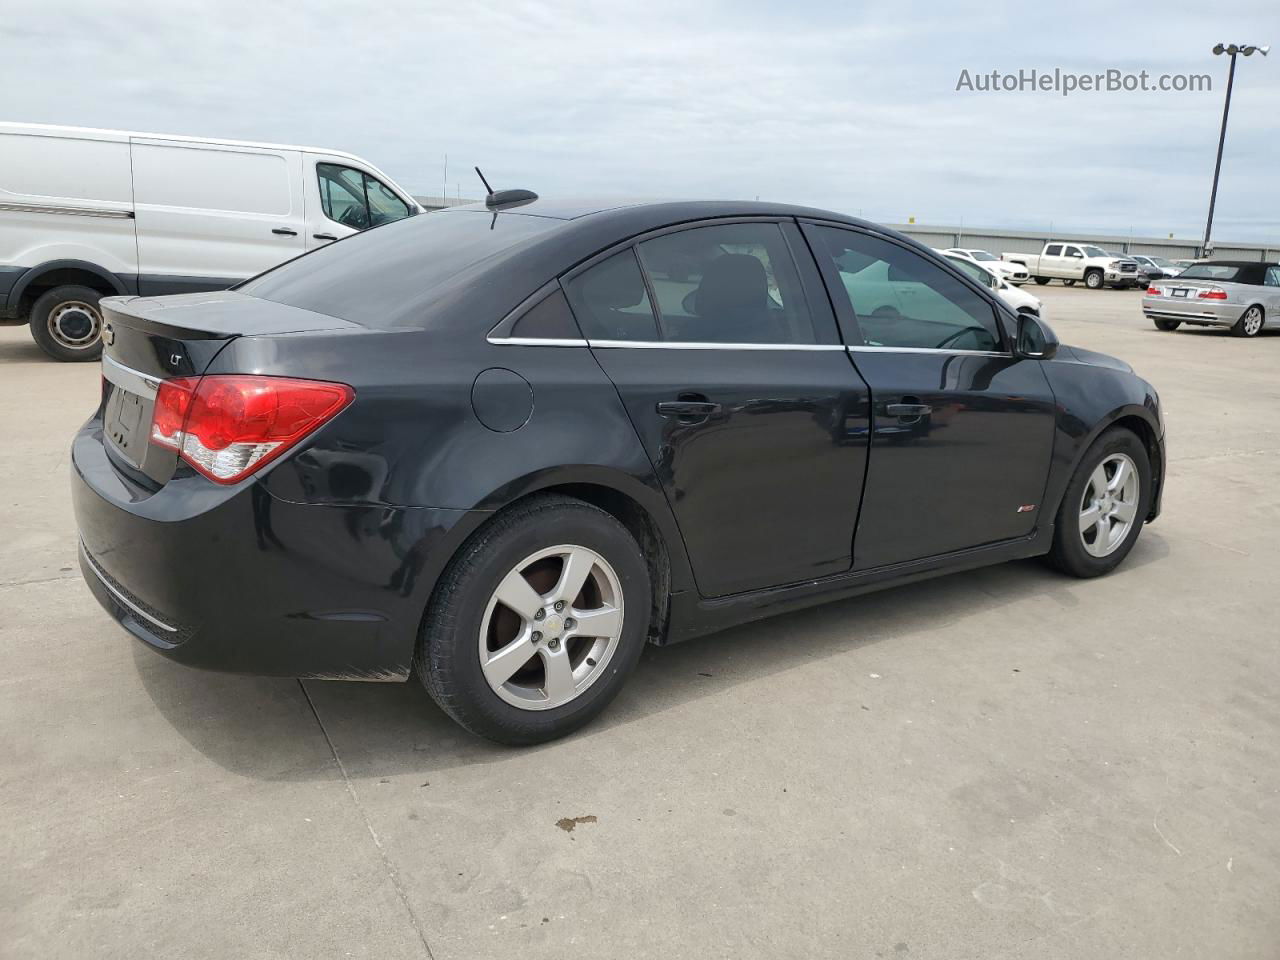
pixel 1243 295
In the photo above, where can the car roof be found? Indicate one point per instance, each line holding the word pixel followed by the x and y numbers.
pixel 1236 263
pixel 658 211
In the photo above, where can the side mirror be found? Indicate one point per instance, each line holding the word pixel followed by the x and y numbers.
pixel 1035 340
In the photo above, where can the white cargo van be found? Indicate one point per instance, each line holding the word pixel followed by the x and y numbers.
pixel 89 213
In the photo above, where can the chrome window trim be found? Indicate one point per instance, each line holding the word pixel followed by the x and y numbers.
pixel 937 350
pixel 538 341
pixel 680 345
pixel 120 597
pixel 135 381
pixel 51 208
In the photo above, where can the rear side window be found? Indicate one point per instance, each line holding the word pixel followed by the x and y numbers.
pixel 728 283
pixel 901 299
pixel 1053 250
pixel 355 199
pixel 385 278
pixel 610 300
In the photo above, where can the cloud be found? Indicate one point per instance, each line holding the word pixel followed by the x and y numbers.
pixel 851 107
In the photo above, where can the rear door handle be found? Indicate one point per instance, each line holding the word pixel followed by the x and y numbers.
pixel 323 236
pixel 284 232
pixel 688 411
pixel 908 409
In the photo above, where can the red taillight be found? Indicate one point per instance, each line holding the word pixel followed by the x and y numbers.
pixel 1154 291
pixel 1213 293
pixel 229 425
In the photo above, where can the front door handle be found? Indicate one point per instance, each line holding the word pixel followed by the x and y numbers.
pixel 284 232
pixel 323 236
pixel 908 410
pixel 688 411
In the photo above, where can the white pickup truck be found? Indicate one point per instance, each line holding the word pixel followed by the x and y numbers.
pixel 1070 262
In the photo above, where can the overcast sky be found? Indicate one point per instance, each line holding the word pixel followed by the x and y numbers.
pixel 834 103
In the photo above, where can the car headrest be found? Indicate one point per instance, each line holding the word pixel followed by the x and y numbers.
pixel 732 283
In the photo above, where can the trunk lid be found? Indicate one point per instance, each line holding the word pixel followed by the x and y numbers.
pixel 147 340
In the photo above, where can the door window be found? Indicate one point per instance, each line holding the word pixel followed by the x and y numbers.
pixel 728 283
pixel 1071 252
pixel 974 271
pixel 900 299
pixel 1273 276
pixel 610 301
pixel 355 199
pixel 1053 250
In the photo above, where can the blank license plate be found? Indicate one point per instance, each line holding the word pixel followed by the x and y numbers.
pixel 1181 292
pixel 124 424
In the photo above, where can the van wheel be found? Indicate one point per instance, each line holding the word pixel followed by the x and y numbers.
pixel 1093 279
pixel 1249 325
pixel 67 323
pixel 1041 280
pixel 537 622
pixel 1168 326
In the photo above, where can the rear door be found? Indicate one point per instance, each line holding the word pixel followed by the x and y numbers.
pixel 962 431
pixel 722 346
pixel 211 215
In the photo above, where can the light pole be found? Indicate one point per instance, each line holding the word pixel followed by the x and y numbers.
pixel 1233 49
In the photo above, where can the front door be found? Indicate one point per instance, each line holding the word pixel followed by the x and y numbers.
pixel 962 430
pixel 342 200
pixel 725 353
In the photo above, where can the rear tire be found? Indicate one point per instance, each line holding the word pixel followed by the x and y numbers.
pixel 1168 326
pixel 1093 279
pixel 1041 280
pixel 524 676
pixel 66 323
pixel 1250 323
pixel 1088 540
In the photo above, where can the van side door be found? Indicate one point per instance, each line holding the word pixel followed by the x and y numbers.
pixel 344 197
pixel 210 215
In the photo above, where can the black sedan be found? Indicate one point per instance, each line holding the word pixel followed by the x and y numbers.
pixel 504 446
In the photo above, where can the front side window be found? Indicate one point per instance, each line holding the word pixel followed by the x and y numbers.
pixel 1071 252
pixel 1273 276
pixel 900 299
pixel 355 199
pixel 728 283
pixel 973 270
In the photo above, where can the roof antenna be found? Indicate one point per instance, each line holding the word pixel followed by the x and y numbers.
pixel 503 198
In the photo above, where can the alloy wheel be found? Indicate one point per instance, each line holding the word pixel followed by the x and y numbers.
pixel 1252 322
pixel 551 627
pixel 75 324
pixel 1109 506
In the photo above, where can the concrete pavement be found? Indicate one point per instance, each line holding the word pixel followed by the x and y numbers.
pixel 1004 763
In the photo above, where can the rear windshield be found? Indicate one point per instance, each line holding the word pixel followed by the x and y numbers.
pixel 1210 271
pixel 382 277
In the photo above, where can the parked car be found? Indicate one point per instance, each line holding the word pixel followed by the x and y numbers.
pixel 88 213
pixel 1014 273
pixel 1148 273
pixel 1071 262
pixel 1243 295
pixel 501 447
pixel 1166 268
pixel 1013 296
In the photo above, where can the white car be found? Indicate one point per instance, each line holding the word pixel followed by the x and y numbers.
pixel 91 213
pixel 1017 299
pixel 1167 267
pixel 1015 273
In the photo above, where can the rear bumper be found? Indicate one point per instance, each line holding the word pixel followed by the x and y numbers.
pixel 237 580
pixel 1208 313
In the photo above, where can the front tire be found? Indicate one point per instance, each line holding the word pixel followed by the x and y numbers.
pixel 66 323
pixel 1168 326
pixel 1104 506
pixel 537 622
pixel 1093 279
pixel 1249 324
